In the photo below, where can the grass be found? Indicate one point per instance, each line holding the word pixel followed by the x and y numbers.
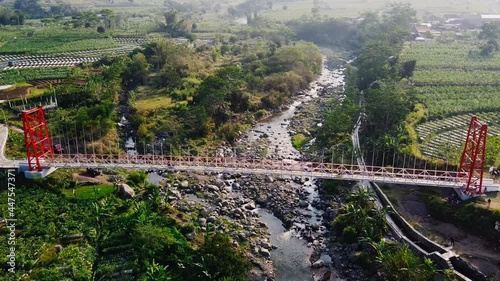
pixel 91 192
pixel 153 102
pixel 14 148
pixel 299 140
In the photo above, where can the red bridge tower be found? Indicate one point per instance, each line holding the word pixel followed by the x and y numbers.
pixel 36 136
pixel 472 163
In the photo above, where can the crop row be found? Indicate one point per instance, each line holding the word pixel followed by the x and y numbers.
pixel 456 77
pixel 18 46
pixel 449 100
pixel 452 56
pixel 451 132
pixel 22 75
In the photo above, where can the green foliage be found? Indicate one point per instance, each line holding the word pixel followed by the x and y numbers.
pixel 222 260
pixel 15 146
pixel 166 246
pixel 402 264
pixel 54 41
pixel 492 156
pixel 469 217
pixel 349 234
pixel 137 178
pixel 92 192
pixel 360 218
pixel 338 124
pixel 14 76
pixel 299 140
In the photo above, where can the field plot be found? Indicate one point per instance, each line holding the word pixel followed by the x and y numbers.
pixel 53 41
pixel 441 137
pixel 22 75
pixel 453 83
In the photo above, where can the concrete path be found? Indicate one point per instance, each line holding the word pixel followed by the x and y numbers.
pixel 4 134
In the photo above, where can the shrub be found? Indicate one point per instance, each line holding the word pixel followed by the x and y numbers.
pixel 349 234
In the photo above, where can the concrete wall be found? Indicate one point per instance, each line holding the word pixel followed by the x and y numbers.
pixel 424 247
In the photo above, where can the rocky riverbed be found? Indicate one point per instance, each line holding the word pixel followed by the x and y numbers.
pixel 285 221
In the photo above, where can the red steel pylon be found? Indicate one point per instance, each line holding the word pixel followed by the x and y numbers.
pixel 472 163
pixel 36 137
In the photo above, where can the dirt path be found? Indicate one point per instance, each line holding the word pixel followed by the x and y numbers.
pixel 472 248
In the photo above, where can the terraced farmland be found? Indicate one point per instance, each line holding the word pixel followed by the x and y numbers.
pixel 440 136
pixel 453 83
pixel 19 63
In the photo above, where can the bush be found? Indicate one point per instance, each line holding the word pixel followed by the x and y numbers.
pixel 350 235
pixel 465 216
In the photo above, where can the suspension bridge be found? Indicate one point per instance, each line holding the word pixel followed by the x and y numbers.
pixel 41 160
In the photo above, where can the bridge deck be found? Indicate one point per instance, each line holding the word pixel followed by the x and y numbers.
pixel 406 176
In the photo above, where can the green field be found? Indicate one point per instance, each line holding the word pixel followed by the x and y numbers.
pixel 453 83
pixel 14 76
pixel 89 192
pixel 55 41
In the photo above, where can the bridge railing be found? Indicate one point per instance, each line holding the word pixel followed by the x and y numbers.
pixel 353 172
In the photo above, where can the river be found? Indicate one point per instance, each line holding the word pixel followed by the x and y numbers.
pixel 291 258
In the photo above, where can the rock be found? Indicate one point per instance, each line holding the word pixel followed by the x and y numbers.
pixel 353 258
pixel 219 183
pixel 303 204
pixel 202 221
pixel 242 237
pixel 315 226
pixel 212 188
pixel 266 245
pixel 261 201
pixel 211 219
pixel 58 248
pixel 126 192
pixel 184 184
pixel 250 206
pixel 190 236
pixel 269 179
pixel 236 186
pixel 265 253
pixel 318 264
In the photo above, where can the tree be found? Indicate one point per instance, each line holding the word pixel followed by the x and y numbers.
pixel 373 62
pixel 136 72
pixel 101 29
pixel 385 107
pixel 222 260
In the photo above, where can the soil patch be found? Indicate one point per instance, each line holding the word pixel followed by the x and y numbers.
pixel 16 93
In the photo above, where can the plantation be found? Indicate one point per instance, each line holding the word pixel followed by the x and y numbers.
pixel 441 138
pixel 453 82
pixel 53 41
pixel 22 75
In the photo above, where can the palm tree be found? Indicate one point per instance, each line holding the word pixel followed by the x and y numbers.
pixel 363 197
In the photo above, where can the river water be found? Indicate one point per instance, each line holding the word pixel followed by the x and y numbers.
pixel 291 258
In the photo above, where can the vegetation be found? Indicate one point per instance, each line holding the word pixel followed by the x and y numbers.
pixel 14 76
pixel 51 43
pixel 96 239
pixel 467 215
pixel 360 218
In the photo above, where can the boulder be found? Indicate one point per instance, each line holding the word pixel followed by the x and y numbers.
pixel 303 204
pixel 269 179
pixel 126 192
pixel 318 264
pixel 250 206
pixel 190 236
pixel 58 248
pixel 184 184
pixel 202 221
pixel 265 253
pixel 219 183
pixel 212 188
